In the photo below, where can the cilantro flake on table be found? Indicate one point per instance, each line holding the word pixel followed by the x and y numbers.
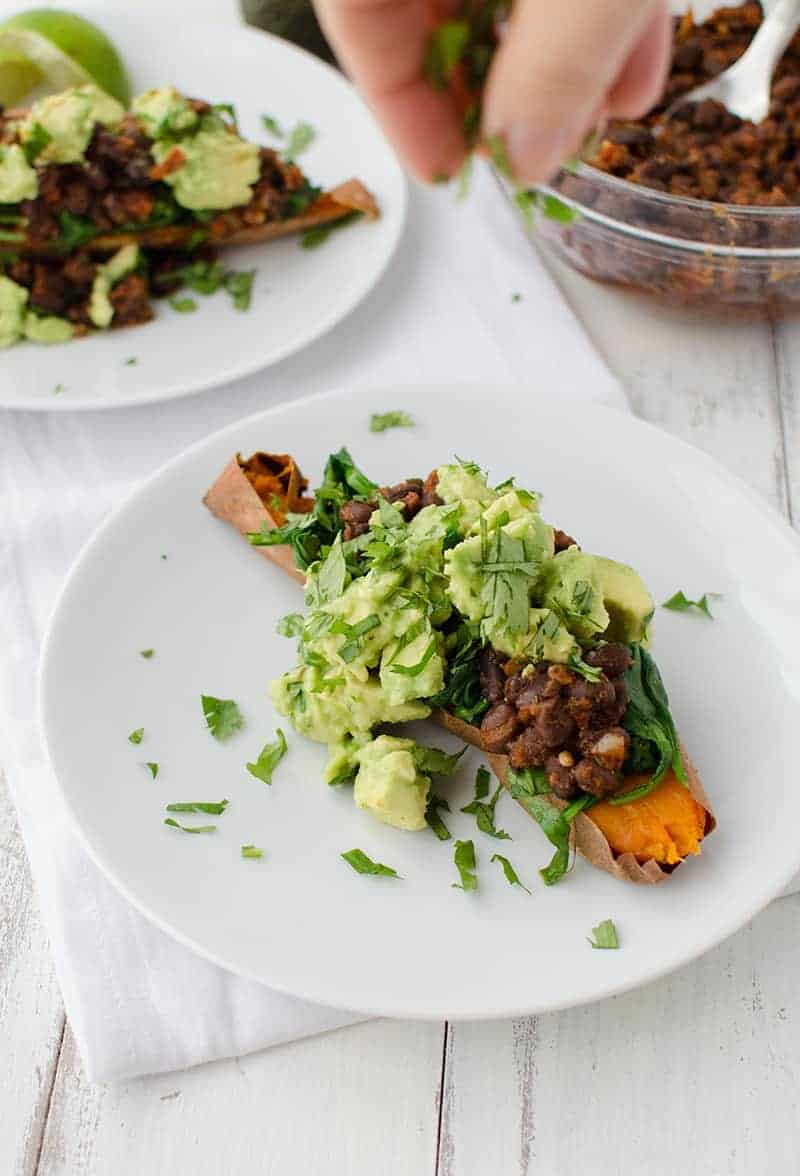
pixel 379 422
pixel 146 653
pixel 299 140
pixel 272 125
pixel 152 768
pixel 252 851
pixel 605 935
pixel 483 809
pixel 365 865
pixel 432 818
pixel 136 736
pixel 183 305
pixel 222 716
pixel 269 757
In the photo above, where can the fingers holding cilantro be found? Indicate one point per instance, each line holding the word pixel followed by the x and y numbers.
pixel 453 598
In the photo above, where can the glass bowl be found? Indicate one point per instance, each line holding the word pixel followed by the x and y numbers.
pixel 680 249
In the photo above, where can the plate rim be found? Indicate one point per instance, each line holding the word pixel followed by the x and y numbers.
pixel 178 390
pixel 411 1009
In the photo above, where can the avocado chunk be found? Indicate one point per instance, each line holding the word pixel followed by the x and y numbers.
pixel 627 601
pixel 13 300
pixel 68 120
pixel 388 784
pixel 18 180
pixel 218 169
pixel 571 587
pixel 47 328
pixel 164 112
pixel 124 262
pixel 354 707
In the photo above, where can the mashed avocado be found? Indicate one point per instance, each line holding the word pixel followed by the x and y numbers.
pixel 389 785
pixel 219 169
pixel 164 112
pixel 353 707
pixel 13 300
pixel 465 484
pixel 47 328
pixel 17 178
pixel 66 122
pixel 101 311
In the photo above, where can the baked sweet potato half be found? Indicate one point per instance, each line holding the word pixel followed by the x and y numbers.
pixel 641 840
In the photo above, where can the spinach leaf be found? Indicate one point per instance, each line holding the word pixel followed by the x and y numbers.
pixel 531 790
pixel 464 858
pixel 462 693
pixel 512 877
pixel 649 720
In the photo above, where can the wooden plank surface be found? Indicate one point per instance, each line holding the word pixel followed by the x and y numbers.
pixel 698 1072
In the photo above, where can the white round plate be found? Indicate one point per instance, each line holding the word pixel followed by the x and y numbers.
pixel 298 294
pixel 301 920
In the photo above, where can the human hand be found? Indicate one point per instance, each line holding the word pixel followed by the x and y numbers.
pixel 560 69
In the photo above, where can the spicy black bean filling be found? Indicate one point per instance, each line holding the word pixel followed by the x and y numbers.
pixel 703 150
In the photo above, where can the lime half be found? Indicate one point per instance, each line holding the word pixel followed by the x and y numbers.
pixel 46 50
pixel 31 66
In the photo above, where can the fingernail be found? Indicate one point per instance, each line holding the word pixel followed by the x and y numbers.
pixel 536 153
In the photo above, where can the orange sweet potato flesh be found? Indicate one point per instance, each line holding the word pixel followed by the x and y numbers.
pixel 278 482
pixel 666 826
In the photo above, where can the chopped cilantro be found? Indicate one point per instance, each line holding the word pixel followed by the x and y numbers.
pixel 434 762
pixel 365 865
pixel 557 210
pixel 75 232
pixel 605 935
pixel 516 298
pixel 225 108
pixel 146 653
pixel 132 362
pixel 196 238
pixel 189 828
pixel 239 284
pixel 681 603
pixel 272 125
pixel 291 625
pixel 483 810
pixel 152 769
pixel 444 51
pixel 379 422
pixel 512 878
pixel 252 851
pixel 183 305
pixel 319 233
pixel 269 757
pixel 36 142
pixel 136 736
pixel 222 716
pixel 59 388
pixel 215 807
pixel 300 139
pixel 415 670
pixel 464 858
pixel 432 818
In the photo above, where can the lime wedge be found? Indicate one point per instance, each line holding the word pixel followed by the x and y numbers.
pixel 31 66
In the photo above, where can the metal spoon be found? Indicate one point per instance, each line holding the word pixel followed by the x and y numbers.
pixel 744 88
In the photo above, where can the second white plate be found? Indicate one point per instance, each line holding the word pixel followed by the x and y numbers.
pixel 298 294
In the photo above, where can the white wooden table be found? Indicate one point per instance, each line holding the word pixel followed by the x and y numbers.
pixel 697 1074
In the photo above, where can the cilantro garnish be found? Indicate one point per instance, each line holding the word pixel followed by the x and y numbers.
pixel 222 716
pixel 319 233
pixel 483 810
pixel 507 577
pixel 365 865
pixel 432 818
pixel 131 362
pixel 379 422
pixel 516 297
pixel 462 694
pixel 189 828
pixel 136 736
pixel 75 232
pixel 605 935
pixel 351 647
pixel 183 305
pixel 146 653
pixel 415 670
pixel 681 603
pixel 269 757
pixel 512 878
pixel 215 807
pixel 239 284
pixel 59 388
pixel 444 50
pixel 36 142
pixel 252 851
pixel 152 769
pixel 272 125
pixel 434 762
pixel 300 139
pixel 464 858
pixel 291 625
pixel 227 108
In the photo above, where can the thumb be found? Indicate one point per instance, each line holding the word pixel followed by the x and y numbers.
pixel 554 70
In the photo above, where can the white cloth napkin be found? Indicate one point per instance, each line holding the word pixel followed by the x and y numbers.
pixel 139 1002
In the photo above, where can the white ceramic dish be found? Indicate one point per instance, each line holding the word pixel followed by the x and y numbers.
pixel 301 920
pixel 298 294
